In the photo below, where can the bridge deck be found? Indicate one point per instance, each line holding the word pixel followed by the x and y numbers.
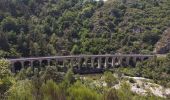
pixel 80 56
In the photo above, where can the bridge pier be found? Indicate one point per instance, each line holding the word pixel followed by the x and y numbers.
pixel 92 62
pixel 134 59
pixel 142 58
pixel 64 61
pixel 127 61
pixel 79 62
pixel 31 64
pixel 106 62
pixel 48 62
pixel 120 61
pixel 22 64
pixel 40 62
pixel 85 62
pixel 99 62
pixel 71 63
pixel 113 62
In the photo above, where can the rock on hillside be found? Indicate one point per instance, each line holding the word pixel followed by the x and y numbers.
pixel 163 45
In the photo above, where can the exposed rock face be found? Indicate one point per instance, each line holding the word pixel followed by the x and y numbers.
pixel 163 45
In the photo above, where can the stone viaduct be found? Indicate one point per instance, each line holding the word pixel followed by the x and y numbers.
pixel 79 61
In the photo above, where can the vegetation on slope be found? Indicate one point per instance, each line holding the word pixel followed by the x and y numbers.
pixel 60 27
pixel 157 69
pixel 38 85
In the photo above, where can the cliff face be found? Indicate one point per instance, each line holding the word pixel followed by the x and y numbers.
pixel 163 45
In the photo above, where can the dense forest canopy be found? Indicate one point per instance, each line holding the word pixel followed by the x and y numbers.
pixel 62 27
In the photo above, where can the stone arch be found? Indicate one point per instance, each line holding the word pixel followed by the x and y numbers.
pixel 17 66
pixel 116 62
pixel 96 62
pixel 44 63
pixel 60 62
pixel 61 65
pixel 88 62
pixel 102 62
pixel 92 65
pixel 70 62
pixel 76 63
pixel 124 63
pixel 109 62
pixel 83 65
pixel 83 62
pixel 27 64
pixel 145 58
pixel 52 62
pixel 36 63
pixel 138 59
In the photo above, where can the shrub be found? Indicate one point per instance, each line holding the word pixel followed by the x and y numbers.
pixel 20 91
pixel 125 95
pixel 51 91
pixel 4 68
pixel 110 79
pixel 51 72
pixel 78 91
pixel 5 76
pixel 112 94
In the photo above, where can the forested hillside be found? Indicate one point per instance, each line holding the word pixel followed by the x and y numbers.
pixel 62 27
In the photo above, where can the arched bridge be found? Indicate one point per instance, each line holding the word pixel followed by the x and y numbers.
pixel 80 61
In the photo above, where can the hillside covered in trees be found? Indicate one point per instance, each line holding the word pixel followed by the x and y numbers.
pixel 65 27
pixel 62 27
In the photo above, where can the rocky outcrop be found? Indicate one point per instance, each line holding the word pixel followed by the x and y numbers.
pixel 163 45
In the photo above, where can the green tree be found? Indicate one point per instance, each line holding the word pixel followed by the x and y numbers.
pixel 4 68
pixel 21 91
pixel 4 43
pixel 5 77
pixel 35 49
pixel 75 50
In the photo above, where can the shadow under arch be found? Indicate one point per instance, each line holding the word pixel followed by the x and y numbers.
pixel 102 62
pixel 145 58
pixel 131 62
pixel 124 63
pixel 52 62
pixel 44 63
pixel 17 66
pixel 96 62
pixel 89 63
pixel 60 63
pixel 27 64
pixel 109 62
pixel 75 63
pixel 82 62
pixel 36 64
pixel 117 64
pixel 138 59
